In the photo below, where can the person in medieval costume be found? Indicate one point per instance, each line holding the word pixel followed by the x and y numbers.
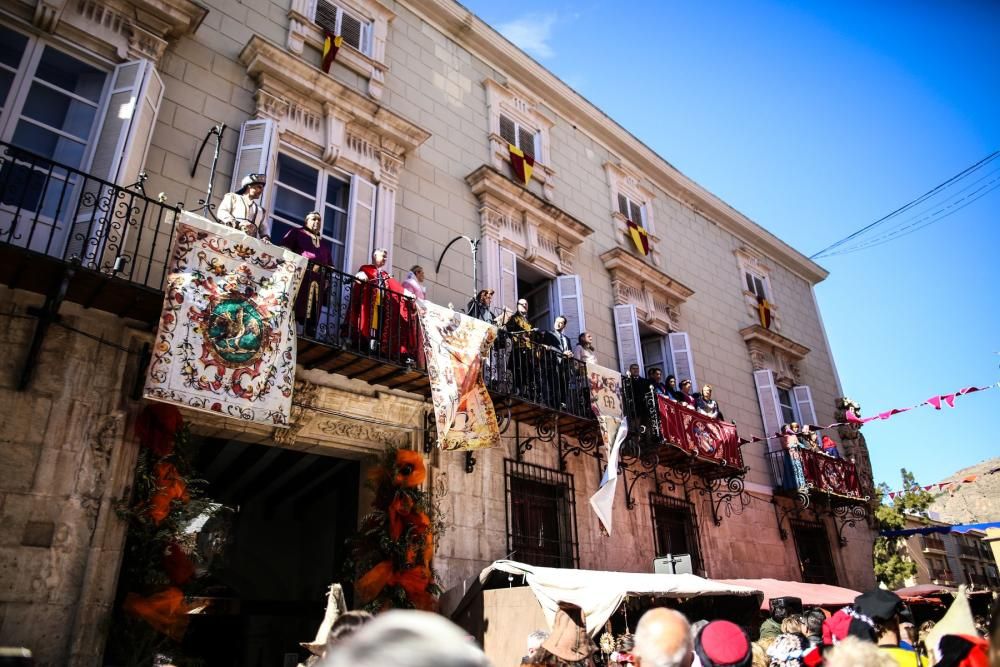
pixel 523 334
pixel 242 210
pixel 379 317
pixel 306 241
pixel 707 405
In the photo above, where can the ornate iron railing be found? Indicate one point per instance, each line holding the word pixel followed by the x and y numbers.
pixel 61 212
pixel 797 468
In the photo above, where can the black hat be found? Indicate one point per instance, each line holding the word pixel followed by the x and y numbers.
pixel 871 607
pixel 251 179
pixel 781 608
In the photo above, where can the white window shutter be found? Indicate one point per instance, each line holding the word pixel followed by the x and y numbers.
pixel 770 410
pixel 361 220
pixel 569 292
pixel 254 154
pixel 627 336
pixel 134 102
pixel 508 280
pixel 682 359
pixel 804 405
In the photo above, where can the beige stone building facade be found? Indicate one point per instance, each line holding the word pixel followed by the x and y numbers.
pixel 404 144
pixel 951 559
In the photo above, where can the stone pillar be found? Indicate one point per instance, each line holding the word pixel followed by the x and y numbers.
pixel 385 201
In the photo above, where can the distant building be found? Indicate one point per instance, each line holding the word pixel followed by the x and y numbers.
pixel 951 559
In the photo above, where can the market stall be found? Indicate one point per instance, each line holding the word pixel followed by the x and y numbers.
pixel 812 595
pixel 509 600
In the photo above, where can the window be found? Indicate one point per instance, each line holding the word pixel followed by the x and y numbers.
pixel 541 515
pixel 756 284
pixel 357 32
pixel 675 530
pixel 787 407
pixel 519 135
pixel 631 210
pixel 815 557
pixel 300 188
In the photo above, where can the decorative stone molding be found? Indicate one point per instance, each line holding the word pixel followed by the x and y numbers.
pixel 326 118
pixel 769 349
pixel 340 427
pixel 656 296
pixel 535 229
pixel 302 31
pixel 854 442
pixel 304 398
pixel 119 29
pixel 519 106
pixel 623 179
pixel 753 262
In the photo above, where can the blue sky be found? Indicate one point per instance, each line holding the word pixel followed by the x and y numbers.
pixel 815 120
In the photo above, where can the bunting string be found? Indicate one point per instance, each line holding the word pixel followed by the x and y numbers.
pixel 944 486
pixel 937 402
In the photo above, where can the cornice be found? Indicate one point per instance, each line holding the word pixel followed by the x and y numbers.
pixel 619 260
pixel 182 16
pixel 266 60
pixel 476 36
pixel 757 333
pixel 487 182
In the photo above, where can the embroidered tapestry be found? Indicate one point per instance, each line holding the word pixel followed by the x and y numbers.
pixel 699 434
pixel 226 338
pixel 606 402
pixel 455 344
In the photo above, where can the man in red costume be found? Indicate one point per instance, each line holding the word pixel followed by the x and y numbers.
pixel 380 318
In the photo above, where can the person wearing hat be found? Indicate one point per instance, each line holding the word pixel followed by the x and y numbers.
pixel 723 644
pixel 242 210
pixel 781 608
pixel 875 618
pixel 568 644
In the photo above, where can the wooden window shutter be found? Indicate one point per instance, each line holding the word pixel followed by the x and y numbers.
pixel 627 337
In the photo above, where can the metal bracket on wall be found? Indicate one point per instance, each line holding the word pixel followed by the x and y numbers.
pixel 799 505
pixel 545 427
pixel 588 442
pixel 637 463
pixel 847 514
pixel 430 431
pixel 47 315
pixel 726 496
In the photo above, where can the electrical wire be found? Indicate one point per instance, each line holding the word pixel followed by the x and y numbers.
pixel 906 207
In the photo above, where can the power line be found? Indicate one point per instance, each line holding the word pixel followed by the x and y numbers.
pixel 902 209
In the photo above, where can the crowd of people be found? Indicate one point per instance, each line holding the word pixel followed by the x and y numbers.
pixel 872 632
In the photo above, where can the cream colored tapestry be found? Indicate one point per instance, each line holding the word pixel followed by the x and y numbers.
pixel 226 338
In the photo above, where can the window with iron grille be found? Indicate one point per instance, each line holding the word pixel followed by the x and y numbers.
pixel 632 210
pixel 675 528
pixel 541 515
pixel 812 544
pixel 357 32
pixel 519 135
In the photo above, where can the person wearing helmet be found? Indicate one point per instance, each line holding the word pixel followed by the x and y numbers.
pixel 242 209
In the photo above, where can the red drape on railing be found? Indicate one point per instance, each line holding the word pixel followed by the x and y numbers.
pixel 826 473
pixel 698 434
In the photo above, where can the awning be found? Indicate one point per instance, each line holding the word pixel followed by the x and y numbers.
pixel 925 590
pixel 812 595
pixel 599 594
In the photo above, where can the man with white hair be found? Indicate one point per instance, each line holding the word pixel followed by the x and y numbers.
pixel 535 641
pixel 663 639
pixel 407 638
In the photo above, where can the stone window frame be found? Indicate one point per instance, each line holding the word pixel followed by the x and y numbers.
pixel 303 30
pixel 519 106
pixel 569 541
pixel 755 264
pixel 657 297
pixel 628 181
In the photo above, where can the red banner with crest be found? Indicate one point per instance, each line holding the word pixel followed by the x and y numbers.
pixel 699 434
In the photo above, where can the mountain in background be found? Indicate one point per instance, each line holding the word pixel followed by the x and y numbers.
pixel 975 502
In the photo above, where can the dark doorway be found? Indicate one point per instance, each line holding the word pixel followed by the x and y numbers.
pixel 271 552
pixel 815 557
pixel 542 525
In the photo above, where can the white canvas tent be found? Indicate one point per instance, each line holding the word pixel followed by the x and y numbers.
pixel 510 599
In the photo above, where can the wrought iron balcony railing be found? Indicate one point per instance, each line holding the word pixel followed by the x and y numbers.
pixel 933 542
pixel 59 212
pixel 970 551
pixel 941 575
pixel 797 468
pixel 680 435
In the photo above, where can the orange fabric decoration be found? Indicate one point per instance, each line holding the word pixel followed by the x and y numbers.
pixel 165 611
pixel 413 580
pixel 410 469
pixel 374 580
pixel 169 487
pixel 177 564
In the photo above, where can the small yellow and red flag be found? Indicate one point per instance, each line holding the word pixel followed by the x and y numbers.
pixel 640 237
pixel 764 312
pixel 331 44
pixel 520 163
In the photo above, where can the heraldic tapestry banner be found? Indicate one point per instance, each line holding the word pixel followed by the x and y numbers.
pixel 606 401
pixel 455 345
pixel 226 339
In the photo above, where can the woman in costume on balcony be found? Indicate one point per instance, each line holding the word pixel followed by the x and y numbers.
pixel 670 384
pixel 413 286
pixel 795 474
pixel 480 307
pixel 379 318
pixel 306 241
pixel 707 405
pixel 684 395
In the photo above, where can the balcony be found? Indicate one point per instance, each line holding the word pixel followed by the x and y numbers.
pixel 933 543
pixel 970 551
pixel 979 581
pixel 803 470
pixel 682 438
pixel 942 577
